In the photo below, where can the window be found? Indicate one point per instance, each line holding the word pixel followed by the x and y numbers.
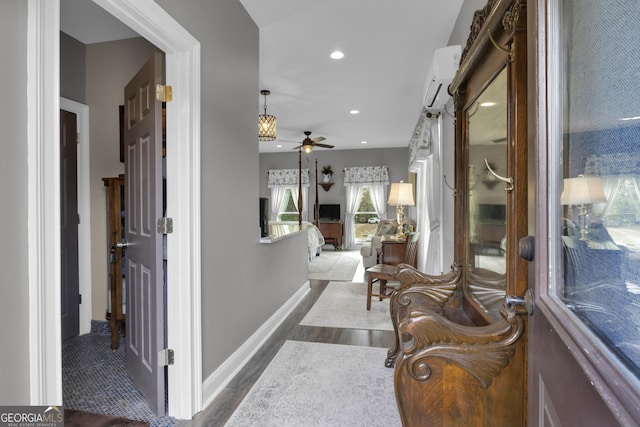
pixel 600 159
pixel 366 217
pixel 288 210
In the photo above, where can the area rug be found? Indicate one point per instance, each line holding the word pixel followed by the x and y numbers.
pixel 334 265
pixel 317 384
pixel 74 418
pixel 344 305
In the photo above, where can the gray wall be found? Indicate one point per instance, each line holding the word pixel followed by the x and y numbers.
pixel 397 159
pixel 109 67
pixel 72 69
pixel 243 282
pixel 14 303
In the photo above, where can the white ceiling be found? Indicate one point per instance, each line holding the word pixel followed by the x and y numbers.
pixel 89 23
pixel 388 45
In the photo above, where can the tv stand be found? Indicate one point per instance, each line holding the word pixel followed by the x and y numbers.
pixel 332 233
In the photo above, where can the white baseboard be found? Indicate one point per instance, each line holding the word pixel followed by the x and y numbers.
pixel 218 380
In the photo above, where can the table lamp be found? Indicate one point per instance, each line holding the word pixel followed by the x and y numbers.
pixel 401 195
pixel 582 191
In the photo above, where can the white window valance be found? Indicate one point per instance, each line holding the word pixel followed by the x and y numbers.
pixel 287 178
pixel 613 164
pixel 366 175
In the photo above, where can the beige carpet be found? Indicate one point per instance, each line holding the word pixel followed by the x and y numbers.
pixel 343 305
pixel 334 265
pixel 318 384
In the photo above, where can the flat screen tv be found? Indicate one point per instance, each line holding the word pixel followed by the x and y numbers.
pixel 329 212
pixel 492 214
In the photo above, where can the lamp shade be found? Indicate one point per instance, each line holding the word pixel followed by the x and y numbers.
pixel 401 193
pixel 266 127
pixel 582 190
pixel 266 122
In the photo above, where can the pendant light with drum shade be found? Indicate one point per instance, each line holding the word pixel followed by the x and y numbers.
pixel 266 122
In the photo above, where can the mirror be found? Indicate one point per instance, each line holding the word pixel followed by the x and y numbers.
pixel 490 96
pixel 487 199
pixel 486 195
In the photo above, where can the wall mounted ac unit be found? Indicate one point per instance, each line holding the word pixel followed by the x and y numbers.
pixel 441 72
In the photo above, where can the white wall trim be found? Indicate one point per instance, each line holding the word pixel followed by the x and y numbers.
pixel 218 380
pixel 84 210
pixel 182 59
pixel 183 168
pixel 43 188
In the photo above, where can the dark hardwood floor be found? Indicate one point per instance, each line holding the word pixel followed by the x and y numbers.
pixel 219 411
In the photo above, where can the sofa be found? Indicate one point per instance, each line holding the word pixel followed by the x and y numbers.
pixel 369 251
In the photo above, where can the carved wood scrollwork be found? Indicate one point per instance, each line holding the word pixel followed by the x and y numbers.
pixel 428 290
pixel 490 292
pixel 511 17
pixel 483 352
pixel 437 288
pixel 479 17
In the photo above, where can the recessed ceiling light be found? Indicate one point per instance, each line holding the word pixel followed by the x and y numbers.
pixel 630 118
pixel 354 112
pixel 337 55
pixel 488 104
pixel 279 146
pixel 363 142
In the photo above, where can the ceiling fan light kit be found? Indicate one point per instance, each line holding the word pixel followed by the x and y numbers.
pixel 308 143
pixel 266 123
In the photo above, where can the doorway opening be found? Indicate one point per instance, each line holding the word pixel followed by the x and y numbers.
pixel 154 24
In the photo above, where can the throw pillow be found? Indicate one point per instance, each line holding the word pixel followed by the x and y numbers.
pixel 386 227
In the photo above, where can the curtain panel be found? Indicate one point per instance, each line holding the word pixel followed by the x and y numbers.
pixel 356 179
pixel 281 180
pixel 421 143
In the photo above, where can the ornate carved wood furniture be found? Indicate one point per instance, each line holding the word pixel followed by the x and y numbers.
pixel 460 356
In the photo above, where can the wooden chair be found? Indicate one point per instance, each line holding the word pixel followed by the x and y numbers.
pixel 382 273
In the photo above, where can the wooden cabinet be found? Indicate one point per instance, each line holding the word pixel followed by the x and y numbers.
pixel 115 258
pixel 393 252
pixel 332 233
pixel 457 340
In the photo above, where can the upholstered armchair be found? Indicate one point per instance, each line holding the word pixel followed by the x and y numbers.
pixel 369 252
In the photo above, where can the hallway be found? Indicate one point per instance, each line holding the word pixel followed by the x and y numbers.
pixel 95 378
pixel 225 404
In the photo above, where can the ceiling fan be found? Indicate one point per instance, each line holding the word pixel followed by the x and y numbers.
pixel 308 143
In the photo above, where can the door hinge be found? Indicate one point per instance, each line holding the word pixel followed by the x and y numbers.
pixel 165 225
pixel 79 299
pixel 78 218
pixel 77 138
pixel 165 357
pixel 163 93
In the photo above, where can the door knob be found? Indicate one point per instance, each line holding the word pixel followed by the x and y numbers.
pixel 520 305
pixel 527 247
pixel 122 245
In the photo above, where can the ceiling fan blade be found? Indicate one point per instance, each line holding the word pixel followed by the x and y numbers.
pixel 323 145
pixel 295 148
pixel 318 139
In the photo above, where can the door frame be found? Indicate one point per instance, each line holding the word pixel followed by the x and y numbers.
pixel 182 56
pixel 84 210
